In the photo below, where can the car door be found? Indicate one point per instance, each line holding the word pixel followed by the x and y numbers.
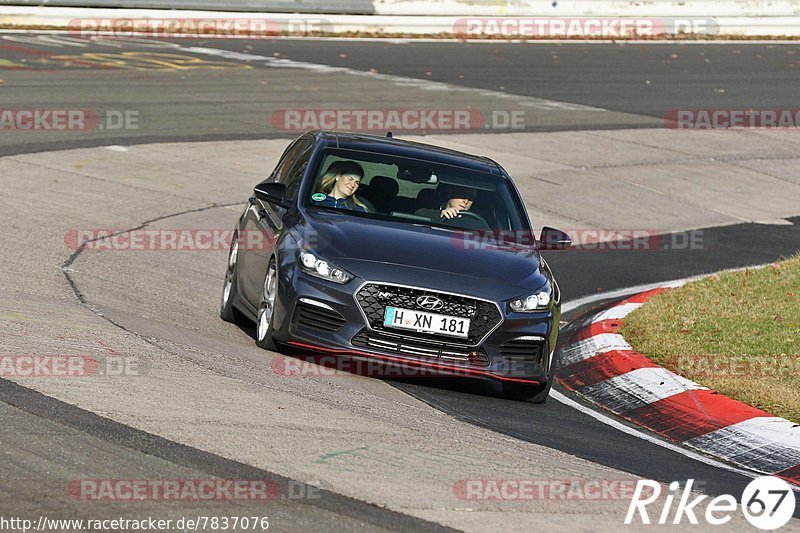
pixel 264 221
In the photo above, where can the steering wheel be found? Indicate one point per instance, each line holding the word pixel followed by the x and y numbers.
pixel 470 215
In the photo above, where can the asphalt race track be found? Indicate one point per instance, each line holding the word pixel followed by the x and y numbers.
pixel 357 453
pixel 640 83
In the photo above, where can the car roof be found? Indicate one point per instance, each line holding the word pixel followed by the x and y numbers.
pixel 400 147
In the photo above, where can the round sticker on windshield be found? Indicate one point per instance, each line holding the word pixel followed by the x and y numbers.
pixel 318 197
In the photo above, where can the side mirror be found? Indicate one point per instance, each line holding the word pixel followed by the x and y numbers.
pixel 274 193
pixel 554 239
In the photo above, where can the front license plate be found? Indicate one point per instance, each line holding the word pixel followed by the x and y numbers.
pixel 397 317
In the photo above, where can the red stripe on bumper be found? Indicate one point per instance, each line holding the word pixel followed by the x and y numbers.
pixel 446 368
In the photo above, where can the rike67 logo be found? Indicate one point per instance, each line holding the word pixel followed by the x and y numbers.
pixel 767 502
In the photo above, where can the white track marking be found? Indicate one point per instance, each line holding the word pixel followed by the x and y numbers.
pixel 638 388
pixel 569 402
pixel 622 293
pixel 586 348
pixel 47 40
pixel 617 312
pixel 772 440
pixel 426 85
pixel 630 291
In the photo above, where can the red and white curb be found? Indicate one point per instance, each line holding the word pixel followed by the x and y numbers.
pixel 599 365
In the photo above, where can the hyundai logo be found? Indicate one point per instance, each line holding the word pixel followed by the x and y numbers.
pixel 430 302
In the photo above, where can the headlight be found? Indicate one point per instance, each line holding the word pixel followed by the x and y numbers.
pixel 535 302
pixel 313 264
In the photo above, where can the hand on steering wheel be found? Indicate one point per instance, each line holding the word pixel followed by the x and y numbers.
pixel 467 214
pixel 450 212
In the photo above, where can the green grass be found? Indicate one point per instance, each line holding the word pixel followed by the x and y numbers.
pixel 737 333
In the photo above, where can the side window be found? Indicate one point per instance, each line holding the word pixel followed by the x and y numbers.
pixel 294 177
pixel 287 159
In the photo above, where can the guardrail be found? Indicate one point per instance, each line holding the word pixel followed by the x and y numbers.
pixel 353 7
pixel 488 8
pixel 476 19
pixel 590 8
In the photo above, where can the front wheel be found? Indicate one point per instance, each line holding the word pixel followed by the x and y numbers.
pixel 227 312
pixel 265 323
pixel 531 393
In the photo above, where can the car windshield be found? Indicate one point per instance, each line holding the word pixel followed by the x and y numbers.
pixel 414 191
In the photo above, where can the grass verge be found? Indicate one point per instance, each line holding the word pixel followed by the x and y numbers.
pixel 737 333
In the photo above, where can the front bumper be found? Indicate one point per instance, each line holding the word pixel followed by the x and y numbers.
pixel 320 316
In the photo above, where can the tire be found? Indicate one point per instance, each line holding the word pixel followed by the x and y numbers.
pixel 227 312
pixel 265 323
pixel 530 393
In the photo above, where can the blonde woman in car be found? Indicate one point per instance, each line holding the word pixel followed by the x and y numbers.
pixel 339 185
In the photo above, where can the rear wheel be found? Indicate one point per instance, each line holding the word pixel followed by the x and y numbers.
pixel 265 323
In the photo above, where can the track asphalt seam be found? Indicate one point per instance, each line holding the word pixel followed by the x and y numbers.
pixel 66 266
pixel 49 408
pixel 607 372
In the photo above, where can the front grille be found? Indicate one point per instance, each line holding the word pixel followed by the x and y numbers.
pixel 375 297
pixel 524 355
pixel 409 346
pixel 316 317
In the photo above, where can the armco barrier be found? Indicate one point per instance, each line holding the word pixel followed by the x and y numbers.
pixel 589 8
pixel 357 7
pixel 458 8
pixel 731 19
